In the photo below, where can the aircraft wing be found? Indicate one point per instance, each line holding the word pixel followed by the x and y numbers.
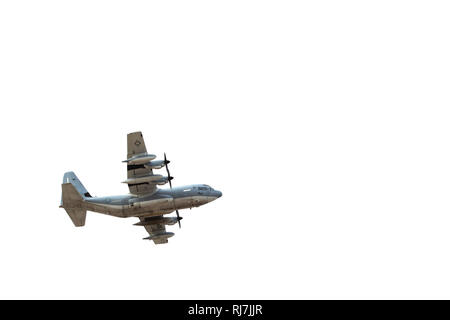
pixel 157 231
pixel 135 148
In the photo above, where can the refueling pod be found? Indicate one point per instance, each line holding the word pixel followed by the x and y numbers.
pixel 160 236
pixel 158 220
pixel 140 159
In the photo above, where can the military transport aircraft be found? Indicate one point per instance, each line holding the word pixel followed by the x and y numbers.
pixel 145 200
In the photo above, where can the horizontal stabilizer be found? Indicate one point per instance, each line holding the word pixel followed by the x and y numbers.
pixel 78 216
pixel 72 202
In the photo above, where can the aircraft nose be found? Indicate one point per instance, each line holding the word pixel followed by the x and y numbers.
pixel 219 194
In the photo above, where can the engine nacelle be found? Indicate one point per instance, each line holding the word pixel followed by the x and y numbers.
pixel 155 164
pixel 162 181
pixel 152 178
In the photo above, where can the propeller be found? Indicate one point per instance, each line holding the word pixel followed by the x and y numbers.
pixel 169 177
pixel 166 162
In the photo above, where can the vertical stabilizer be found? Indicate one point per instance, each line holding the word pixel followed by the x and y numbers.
pixel 70 177
pixel 72 198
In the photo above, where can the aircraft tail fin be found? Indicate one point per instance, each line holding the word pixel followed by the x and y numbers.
pixel 70 177
pixel 73 195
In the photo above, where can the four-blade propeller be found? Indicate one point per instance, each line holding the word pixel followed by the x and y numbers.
pixel 169 177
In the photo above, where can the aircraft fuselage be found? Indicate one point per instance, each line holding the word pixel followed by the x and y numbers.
pixel 163 201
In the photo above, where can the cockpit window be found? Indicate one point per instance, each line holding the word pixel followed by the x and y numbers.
pixel 203 188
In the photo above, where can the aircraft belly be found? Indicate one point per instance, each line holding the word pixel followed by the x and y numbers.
pixel 156 204
pixel 183 203
pixel 150 207
pixel 113 210
pixel 152 204
pixel 189 202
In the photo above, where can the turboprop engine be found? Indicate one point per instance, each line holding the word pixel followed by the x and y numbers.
pixel 151 178
pixel 163 180
pixel 155 164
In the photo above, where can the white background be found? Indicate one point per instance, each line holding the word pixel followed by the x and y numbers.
pixel 325 124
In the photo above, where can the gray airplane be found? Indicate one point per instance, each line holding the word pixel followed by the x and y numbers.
pixel 145 200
